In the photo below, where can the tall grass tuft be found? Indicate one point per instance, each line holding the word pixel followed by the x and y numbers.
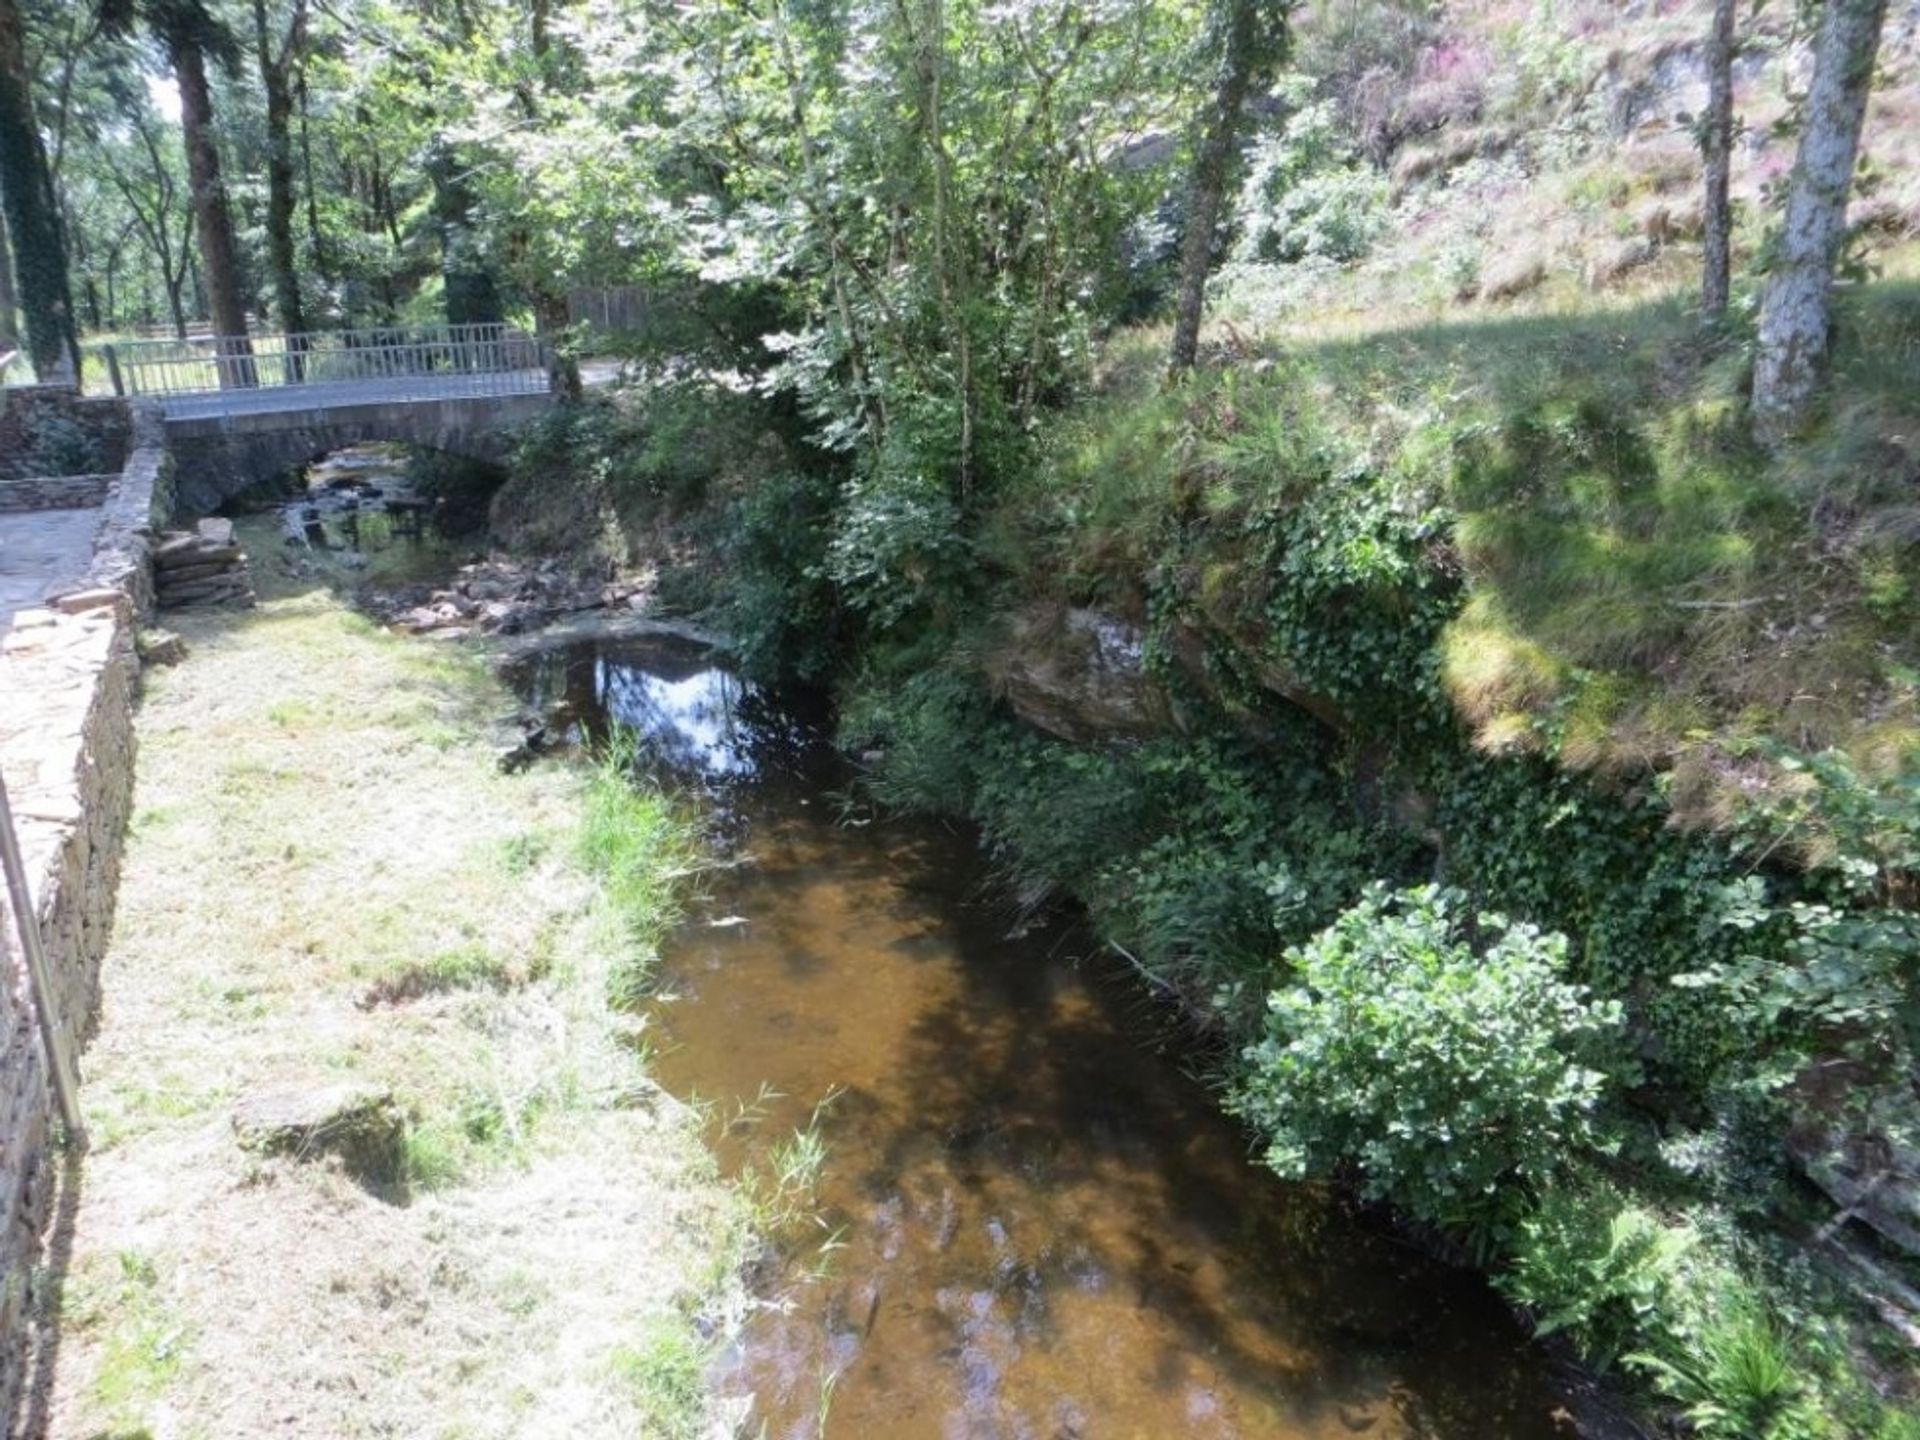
pixel 639 846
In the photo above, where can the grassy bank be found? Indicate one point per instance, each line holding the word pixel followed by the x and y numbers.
pixel 329 880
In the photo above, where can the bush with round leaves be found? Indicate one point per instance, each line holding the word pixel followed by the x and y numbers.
pixel 1445 1060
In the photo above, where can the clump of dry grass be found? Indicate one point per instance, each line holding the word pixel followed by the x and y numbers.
pixel 319 818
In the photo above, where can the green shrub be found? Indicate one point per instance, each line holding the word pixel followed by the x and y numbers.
pixel 897 549
pixel 1305 196
pixel 928 732
pixel 1590 1264
pixel 1444 1070
pixel 780 611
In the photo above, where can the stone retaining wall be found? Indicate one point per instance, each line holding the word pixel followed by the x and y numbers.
pixel 67 680
pixel 55 492
pixel 46 428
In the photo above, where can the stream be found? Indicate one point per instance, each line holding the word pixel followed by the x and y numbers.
pixel 1042 1227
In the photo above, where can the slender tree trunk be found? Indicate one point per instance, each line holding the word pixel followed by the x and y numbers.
pixel 952 275
pixel 1796 318
pixel 1250 43
pixel 314 239
pixel 33 221
pixel 219 254
pixel 281 200
pixel 1716 143
pixel 176 286
pixel 9 303
pixel 550 317
pixel 820 204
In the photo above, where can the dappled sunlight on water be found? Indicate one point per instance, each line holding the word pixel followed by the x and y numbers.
pixel 1045 1229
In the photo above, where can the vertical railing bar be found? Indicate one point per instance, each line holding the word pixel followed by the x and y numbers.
pixel 66 1082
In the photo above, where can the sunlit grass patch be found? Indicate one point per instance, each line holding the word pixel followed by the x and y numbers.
pixel 1636 577
pixel 121 1301
pixel 322 823
pixel 663 1369
pixel 640 849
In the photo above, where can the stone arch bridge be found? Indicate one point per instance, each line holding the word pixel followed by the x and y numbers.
pixel 239 413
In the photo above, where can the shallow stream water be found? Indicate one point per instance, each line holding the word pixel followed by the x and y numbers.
pixel 1045 1228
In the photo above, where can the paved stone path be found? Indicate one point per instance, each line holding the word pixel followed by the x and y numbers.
pixel 39 550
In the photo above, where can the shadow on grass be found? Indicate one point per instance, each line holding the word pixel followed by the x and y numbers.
pixel 33 1399
pixel 1623 547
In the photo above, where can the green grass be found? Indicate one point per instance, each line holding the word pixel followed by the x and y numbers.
pixel 144 1339
pixel 1640 582
pixel 640 849
pixel 664 1370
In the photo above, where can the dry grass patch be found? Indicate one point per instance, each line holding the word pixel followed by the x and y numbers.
pixel 320 822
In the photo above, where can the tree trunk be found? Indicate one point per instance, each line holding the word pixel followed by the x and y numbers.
pixel 472 298
pixel 314 238
pixel 33 222
pixel 274 72
pixel 549 319
pixel 1716 143
pixel 1795 318
pixel 1252 41
pixel 213 221
pixel 9 303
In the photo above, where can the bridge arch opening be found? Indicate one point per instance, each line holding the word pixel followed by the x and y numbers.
pixel 396 510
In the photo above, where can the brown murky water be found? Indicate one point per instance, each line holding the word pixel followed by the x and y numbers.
pixel 1047 1229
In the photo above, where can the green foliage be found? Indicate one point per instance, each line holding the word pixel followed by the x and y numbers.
pixel 931 726
pixel 633 841
pixel 1646 903
pixel 896 549
pixel 1357 600
pixel 656 452
pixel 664 1366
pixel 1735 1374
pixel 779 608
pixel 1590 1264
pixel 1305 195
pixel 1450 1062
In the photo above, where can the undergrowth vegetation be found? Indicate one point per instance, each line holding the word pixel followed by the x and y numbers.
pixel 1513 607
pixel 1510 762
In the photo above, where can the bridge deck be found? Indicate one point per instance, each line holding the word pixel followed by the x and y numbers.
pixel 276 399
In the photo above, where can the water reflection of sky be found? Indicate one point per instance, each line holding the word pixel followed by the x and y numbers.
pixel 690 723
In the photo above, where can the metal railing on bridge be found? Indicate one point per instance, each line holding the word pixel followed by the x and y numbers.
pixel 486 360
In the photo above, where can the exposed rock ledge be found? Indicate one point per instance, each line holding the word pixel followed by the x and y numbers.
pixel 1079 675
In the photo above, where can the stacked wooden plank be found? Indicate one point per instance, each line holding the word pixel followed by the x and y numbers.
pixel 202 566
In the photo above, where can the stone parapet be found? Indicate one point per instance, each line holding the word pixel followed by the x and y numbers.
pixel 55 492
pixel 53 428
pixel 137 504
pixel 68 675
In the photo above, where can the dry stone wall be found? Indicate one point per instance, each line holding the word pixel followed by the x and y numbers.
pixel 55 492
pixel 49 429
pixel 67 679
